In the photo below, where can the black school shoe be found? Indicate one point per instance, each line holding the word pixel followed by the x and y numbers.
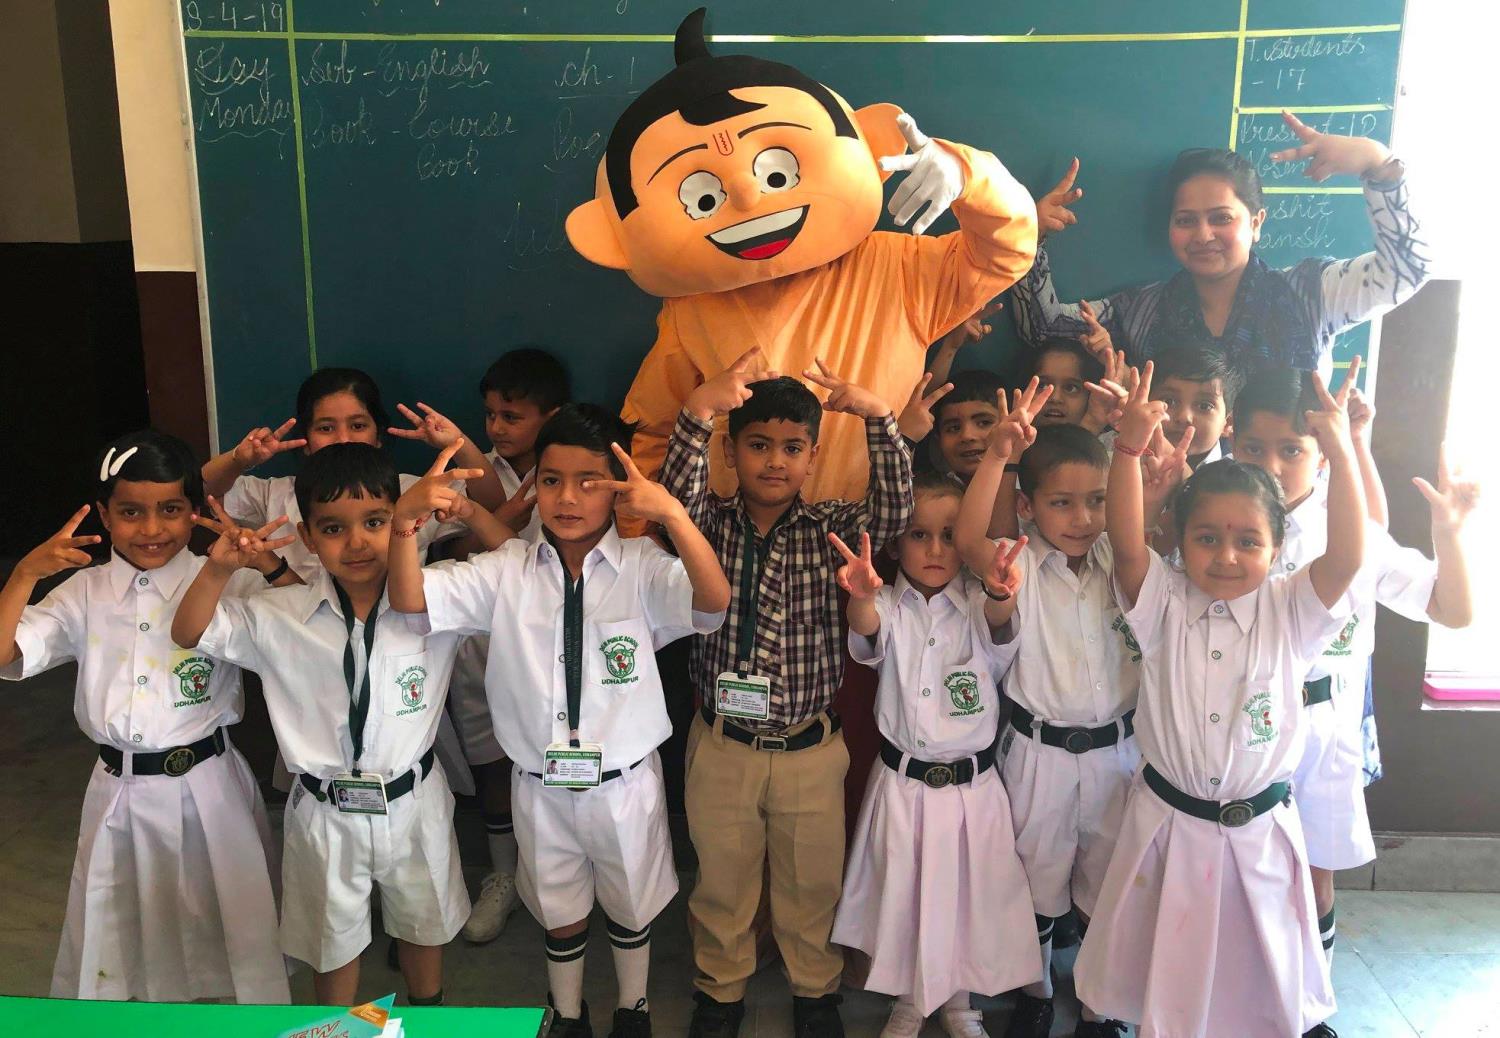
pixel 566 1027
pixel 631 1023
pixel 715 1019
pixel 1321 1031
pixel 817 1017
pixel 1032 1017
pixel 1103 1029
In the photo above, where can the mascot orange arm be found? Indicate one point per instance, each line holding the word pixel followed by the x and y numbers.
pixel 746 194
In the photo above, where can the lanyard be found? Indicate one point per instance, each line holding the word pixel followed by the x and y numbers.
pixel 359 700
pixel 572 646
pixel 750 569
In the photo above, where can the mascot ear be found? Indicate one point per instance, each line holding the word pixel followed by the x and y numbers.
pixel 592 233
pixel 878 124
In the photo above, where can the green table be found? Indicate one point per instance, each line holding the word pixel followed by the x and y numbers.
pixel 60 1016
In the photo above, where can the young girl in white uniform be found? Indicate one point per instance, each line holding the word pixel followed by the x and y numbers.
pixel 1206 923
pixel 172 895
pixel 934 892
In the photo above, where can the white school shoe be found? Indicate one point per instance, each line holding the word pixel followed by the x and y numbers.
pixel 496 901
pixel 905 1021
pixel 963 1023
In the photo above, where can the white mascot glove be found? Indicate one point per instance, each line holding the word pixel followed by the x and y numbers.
pixel 934 177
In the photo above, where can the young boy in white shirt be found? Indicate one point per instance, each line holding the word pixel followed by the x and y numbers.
pixel 574 619
pixel 354 690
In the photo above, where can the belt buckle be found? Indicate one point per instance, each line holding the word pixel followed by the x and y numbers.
pixel 1306 693
pixel 1078 741
pixel 179 762
pixel 938 776
pixel 1235 814
pixel 774 743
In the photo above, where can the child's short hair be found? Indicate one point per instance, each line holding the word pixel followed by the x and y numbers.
pixel 588 426
pixel 1200 364
pixel 969 386
pixel 1088 365
pixel 530 374
pixel 785 399
pixel 1287 392
pixel 328 381
pixel 938 484
pixel 345 470
pixel 1231 477
pixel 149 456
pixel 1058 445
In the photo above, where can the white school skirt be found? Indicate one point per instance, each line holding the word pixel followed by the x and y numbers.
pixel 1202 931
pixel 934 893
pixel 1066 809
pixel 1330 782
pixel 172 894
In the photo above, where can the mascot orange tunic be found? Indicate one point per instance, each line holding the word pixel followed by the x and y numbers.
pixel 746 194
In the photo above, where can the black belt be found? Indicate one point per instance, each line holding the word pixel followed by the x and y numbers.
pixel 394 789
pixel 176 762
pixel 954 773
pixel 1229 813
pixel 1315 692
pixel 812 735
pixel 1074 740
pixel 608 776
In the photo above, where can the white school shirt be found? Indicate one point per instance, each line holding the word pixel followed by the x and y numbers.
pixel 510 482
pixel 1221 682
pixel 255 501
pixel 1078 662
pixel 136 690
pixel 636 598
pixel 1401 579
pixel 294 638
pixel 939 668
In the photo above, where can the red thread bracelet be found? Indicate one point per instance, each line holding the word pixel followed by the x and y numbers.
pixel 1134 452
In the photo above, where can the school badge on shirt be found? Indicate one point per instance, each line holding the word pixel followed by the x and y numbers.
pixel 963 690
pixel 1261 712
pixel 619 660
pixel 1340 646
pixel 411 681
pixel 193 675
pixel 1129 636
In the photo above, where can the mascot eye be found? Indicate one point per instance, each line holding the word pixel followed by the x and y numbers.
pixel 776 170
pixel 701 194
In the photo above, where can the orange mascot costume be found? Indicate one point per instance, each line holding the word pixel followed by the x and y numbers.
pixel 745 194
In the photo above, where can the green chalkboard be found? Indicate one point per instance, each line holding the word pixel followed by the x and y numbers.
pixel 383 183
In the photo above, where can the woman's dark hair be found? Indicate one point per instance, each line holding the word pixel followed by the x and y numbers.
pixel 345 470
pixel 588 426
pixel 778 399
pixel 326 382
pixel 1231 477
pixel 149 456
pixel 1215 162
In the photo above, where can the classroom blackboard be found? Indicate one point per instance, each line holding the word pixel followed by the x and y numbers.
pixel 383 183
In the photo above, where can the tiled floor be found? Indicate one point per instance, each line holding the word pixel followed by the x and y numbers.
pixel 1408 963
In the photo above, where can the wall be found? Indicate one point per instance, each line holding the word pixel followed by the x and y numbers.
pixel 36 162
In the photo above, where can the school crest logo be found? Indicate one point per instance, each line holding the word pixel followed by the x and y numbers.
pixel 411 681
pixel 619 659
pixel 1129 637
pixel 963 690
pixel 1341 644
pixel 1262 720
pixel 193 675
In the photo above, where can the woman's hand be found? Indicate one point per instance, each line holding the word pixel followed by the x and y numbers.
pixel 1332 154
pixel 1052 212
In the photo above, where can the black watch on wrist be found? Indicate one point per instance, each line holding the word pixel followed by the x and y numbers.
pixel 1005 597
pixel 1013 466
pixel 279 572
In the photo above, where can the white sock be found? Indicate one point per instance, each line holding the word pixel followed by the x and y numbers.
pixel 632 952
pixel 502 839
pixel 565 973
pixel 1043 987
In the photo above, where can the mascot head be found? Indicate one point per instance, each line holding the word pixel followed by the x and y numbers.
pixel 732 170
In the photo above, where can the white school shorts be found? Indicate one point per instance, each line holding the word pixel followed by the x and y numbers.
pixel 609 844
pixel 332 861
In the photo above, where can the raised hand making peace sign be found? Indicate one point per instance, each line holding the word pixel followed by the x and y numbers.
pixel 729 388
pixel 434 493
pixel 261 445
pixel 1052 212
pixel 1003 578
pixel 916 419
pixel 857 575
pixel 63 550
pixel 1452 499
pixel 238 546
pixel 1014 432
pixel 934 177
pixel 1332 154
pixel 639 496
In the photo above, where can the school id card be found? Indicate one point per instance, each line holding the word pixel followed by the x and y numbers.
pixel 566 766
pixel 742 695
pixel 364 795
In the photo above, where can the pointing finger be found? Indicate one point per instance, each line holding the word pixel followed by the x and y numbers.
pixel 280 542
pixel 843 549
pixel 865 551
pixel 208 524
pixel 916 392
pixel 1066 183
pixel 72 524
pixel 271 527
pixel 632 473
pixel 897 163
pixel 1302 130
pixel 743 363
pixel 915 138
pixel 1427 490
pixel 444 456
pixel 1351 376
pixel 937 394
pixel 284 428
pixel 409 414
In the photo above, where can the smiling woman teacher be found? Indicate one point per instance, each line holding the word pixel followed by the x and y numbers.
pixel 1225 295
